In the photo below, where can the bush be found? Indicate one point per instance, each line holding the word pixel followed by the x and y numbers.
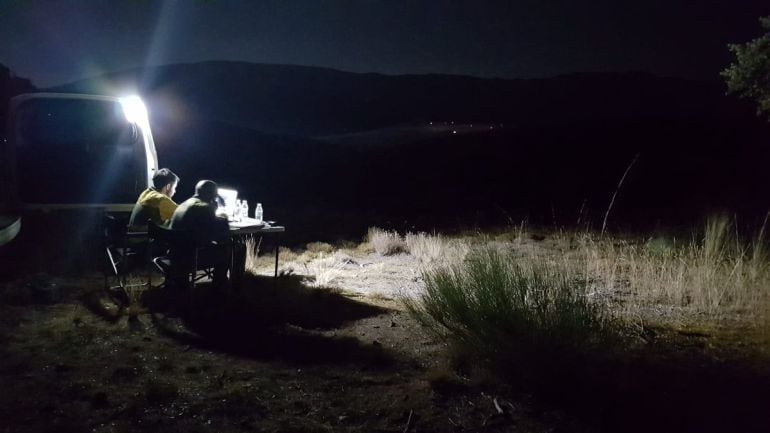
pixel 516 315
pixel 385 242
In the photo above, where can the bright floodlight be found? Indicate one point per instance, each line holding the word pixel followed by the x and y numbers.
pixel 134 109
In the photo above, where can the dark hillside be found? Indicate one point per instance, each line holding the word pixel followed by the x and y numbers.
pixel 314 101
pixel 542 173
pixel 298 138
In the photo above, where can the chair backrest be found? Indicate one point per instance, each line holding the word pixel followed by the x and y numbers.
pixel 113 228
pixel 180 244
pixel 172 237
pixel 142 213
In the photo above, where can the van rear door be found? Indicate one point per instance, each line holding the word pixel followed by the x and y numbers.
pixel 77 152
pixel 67 152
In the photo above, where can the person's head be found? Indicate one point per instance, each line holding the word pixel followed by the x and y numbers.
pixel 206 190
pixel 165 181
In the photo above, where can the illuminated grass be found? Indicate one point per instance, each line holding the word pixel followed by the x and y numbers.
pixel 713 275
pixel 385 242
pixel 436 250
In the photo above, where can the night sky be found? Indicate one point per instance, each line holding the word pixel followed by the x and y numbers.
pixel 54 42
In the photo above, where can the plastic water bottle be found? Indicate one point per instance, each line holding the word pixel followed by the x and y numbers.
pixel 244 209
pixel 258 213
pixel 237 210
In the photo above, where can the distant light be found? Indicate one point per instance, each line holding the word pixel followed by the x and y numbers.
pixel 454 132
pixel 134 109
pixel 431 123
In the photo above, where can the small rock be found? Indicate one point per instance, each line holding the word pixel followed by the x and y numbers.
pixel 392 324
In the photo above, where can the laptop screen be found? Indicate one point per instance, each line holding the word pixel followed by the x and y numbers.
pixel 230 196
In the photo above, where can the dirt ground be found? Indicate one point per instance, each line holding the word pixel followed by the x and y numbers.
pixel 282 355
pixel 324 361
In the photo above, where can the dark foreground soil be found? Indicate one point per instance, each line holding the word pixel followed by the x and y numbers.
pixel 281 357
pixel 70 361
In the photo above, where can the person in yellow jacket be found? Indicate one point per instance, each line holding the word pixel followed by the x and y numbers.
pixel 155 202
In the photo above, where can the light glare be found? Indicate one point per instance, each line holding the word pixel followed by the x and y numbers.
pixel 134 109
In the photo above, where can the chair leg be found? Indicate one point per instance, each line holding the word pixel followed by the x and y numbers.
pixel 105 270
pixel 231 267
pixel 121 280
pixel 191 289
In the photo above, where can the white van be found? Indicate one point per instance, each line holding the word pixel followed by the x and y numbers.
pixel 70 152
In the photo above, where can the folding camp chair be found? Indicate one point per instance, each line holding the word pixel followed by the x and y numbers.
pixel 124 251
pixel 180 257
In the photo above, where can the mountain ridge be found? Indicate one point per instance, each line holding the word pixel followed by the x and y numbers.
pixel 309 100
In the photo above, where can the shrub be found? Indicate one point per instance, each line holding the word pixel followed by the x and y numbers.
pixel 385 242
pixel 514 314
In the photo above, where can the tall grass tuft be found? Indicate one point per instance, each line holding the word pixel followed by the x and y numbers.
pixel 515 314
pixel 385 242
pixel 252 255
pixel 326 269
pixel 713 275
pixel 425 248
pixel 436 250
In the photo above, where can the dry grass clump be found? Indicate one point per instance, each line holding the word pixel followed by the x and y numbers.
pixel 318 261
pixel 319 247
pixel 135 286
pixel 326 269
pixel 711 276
pixel 425 248
pixel 252 254
pixel 435 250
pixel 256 263
pixel 384 242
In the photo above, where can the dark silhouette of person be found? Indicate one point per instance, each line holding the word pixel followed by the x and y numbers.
pixel 198 216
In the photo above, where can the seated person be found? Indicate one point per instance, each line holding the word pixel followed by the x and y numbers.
pixel 198 215
pixel 155 203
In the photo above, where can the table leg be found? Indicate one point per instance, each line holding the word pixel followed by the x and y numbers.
pixel 275 275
